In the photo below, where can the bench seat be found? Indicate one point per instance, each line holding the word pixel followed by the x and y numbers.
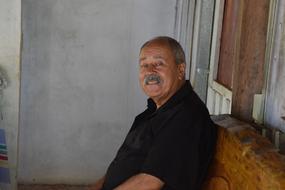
pixel 244 160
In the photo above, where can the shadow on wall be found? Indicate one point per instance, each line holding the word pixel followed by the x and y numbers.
pixel 3 79
pixel 3 84
pixel 4 166
pixel 283 112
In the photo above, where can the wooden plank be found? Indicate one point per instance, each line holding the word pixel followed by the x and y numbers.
pixel 218 103
pixel 250 56
pixel 244 159
pixel 210 100
pixel 222 90
pixel 228 41
pixel 225 105
pixel 224 98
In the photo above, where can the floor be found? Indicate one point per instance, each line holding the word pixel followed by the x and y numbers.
pixel 51 187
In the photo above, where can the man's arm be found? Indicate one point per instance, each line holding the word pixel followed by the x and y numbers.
pixel 141 182
pixel 98 185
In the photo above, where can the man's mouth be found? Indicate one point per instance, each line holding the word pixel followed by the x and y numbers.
pixel 152 82
pixel 152 79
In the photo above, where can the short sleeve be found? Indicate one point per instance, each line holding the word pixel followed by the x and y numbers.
pixel 175 154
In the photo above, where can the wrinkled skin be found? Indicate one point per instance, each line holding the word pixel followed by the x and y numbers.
pixel 157 59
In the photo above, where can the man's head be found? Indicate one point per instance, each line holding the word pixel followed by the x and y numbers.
pixel 162 68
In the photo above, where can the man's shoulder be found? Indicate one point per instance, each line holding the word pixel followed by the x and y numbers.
pixel 143 114
pixel 194 106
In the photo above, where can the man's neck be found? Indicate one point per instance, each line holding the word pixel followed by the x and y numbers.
pixel 160 103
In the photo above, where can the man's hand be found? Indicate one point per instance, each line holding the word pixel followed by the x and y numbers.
pixel 141 182
pixel 98 185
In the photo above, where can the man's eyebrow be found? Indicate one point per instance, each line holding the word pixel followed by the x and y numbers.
pixel 155 57
pixel 158 57
pixel 142 59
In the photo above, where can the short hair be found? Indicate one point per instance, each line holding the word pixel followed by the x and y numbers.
pixel 174 45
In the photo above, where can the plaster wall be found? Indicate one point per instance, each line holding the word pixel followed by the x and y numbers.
pixel 80 90
pixel 10 42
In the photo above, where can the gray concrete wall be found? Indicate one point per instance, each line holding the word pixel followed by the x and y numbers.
pixel 10 42
pixel 275 100
pixel 80 89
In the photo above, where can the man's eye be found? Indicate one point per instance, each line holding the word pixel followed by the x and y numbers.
pixel 144 66
pixel 154 65
pixel 158 64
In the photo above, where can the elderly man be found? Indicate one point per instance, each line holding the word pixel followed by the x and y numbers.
pixel 171 144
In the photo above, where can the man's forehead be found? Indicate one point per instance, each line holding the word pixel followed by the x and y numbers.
pixel 158 43
pixel 157 50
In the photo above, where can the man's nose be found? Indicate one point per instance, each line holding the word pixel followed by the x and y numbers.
pixel 150 68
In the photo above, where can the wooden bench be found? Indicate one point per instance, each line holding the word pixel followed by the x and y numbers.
pixel 244 159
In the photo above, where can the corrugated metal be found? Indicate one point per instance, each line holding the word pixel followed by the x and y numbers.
pixel 202 39
pixel 275 95
pixel 183 30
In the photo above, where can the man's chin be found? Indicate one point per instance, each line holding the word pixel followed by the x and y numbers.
pixel 152 90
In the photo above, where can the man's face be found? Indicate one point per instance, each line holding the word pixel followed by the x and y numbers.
pixel 160 77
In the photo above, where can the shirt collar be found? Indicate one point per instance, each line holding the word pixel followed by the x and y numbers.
pixel 176 98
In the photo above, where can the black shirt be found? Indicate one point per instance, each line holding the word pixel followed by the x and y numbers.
pixel 174 143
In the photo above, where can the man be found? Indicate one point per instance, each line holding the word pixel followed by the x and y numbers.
pixel 170 145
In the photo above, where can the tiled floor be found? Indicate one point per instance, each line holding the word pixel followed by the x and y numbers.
pixel 51 187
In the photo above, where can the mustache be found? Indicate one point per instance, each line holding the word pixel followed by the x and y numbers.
pixel 152 78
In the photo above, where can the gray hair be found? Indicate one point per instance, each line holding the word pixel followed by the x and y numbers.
pixel 175 47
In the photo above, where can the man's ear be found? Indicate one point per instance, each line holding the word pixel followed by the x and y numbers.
pixel 181 71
